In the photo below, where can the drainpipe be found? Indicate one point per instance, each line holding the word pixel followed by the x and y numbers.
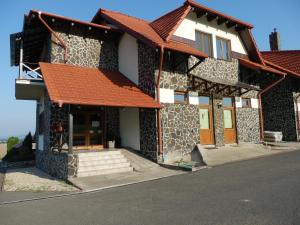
pixel 297 113
pixel 63 44
pixel 259 96
pixel 160 150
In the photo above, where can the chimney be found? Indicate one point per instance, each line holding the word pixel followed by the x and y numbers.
pixel 275 42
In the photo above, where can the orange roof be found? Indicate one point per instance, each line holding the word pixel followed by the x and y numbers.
pixel 288 61
pixel 166 25
pixel 257 66
pixel 68 84
pixel 142 30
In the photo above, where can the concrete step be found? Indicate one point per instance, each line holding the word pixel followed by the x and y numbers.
pixel 103 167
pixel 101 162
pixel 106 153
pixel 98 158
pixel 104 172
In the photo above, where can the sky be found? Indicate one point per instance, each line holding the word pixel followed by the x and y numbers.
pixel 18 117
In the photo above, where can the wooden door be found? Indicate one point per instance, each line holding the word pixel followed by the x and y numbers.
pixel 229 121
pixel 206 121
pixel 88 130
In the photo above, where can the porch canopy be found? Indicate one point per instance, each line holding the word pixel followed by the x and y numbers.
pixel 68 84
pixel 227 87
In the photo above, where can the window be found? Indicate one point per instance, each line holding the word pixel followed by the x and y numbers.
pixel 246 103
pixel 181 97
pixel 203 100
pixel 227 102
pixel 223 49
pixel 204 43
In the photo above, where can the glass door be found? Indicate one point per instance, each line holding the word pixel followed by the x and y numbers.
pixel 206 118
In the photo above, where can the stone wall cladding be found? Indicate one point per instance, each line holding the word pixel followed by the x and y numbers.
pixel 180 125
pixel 247 123
pixel 148 68
pixel 279 110
pixel 55 164
pixel 86 51
pixel 148 133
pixel 216 69
pixel 218 120
pixel 148 65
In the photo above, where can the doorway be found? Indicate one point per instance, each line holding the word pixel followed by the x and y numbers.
pixel 88 130
pixel 229 120
pixel 206 121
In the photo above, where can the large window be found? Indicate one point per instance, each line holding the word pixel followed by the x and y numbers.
pixel 204 43
pixel 223 49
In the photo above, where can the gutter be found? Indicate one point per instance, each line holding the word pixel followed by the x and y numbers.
pixel 259 96
pixel 160 148
pixel 297 115
pixel 63 44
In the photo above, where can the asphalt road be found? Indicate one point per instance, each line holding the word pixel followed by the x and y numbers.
pixel 256 192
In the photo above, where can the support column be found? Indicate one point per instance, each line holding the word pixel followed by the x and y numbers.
pixel 70 133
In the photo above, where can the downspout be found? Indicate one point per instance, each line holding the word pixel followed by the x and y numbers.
pixel 259 96
pixel 160 148
pixel 63 44
pixel 298 116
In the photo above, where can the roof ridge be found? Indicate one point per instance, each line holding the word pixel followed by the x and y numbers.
pixel 168 13
pixel 125 15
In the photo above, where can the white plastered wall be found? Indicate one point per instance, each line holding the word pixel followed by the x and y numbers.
pixel 41 136
pixel 191 24
pixel 130 128
pixel 128 58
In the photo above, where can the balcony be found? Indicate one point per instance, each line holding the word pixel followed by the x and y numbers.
pixel 30 84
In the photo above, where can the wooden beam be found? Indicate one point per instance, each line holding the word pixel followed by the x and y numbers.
pixel 239 28
pixel 200 13
pixel 211 17
pixel 230 24
pixel 194 66
pixel 221 21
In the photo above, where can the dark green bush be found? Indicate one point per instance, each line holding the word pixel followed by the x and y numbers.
pixel 21 153
pixel 11 142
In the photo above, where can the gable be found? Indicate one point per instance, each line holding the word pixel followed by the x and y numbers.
pixel 188 27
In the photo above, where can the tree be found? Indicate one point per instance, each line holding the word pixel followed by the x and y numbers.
pixel 11 142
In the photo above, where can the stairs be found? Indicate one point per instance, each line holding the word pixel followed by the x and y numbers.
pixel 102 163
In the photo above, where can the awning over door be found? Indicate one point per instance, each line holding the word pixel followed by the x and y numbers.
pixel 227 87
pixel 68 84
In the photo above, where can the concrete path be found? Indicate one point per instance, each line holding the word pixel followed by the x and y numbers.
pixel 144 170
pixel 228 154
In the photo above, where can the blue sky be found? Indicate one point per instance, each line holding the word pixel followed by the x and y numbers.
pixel 18 117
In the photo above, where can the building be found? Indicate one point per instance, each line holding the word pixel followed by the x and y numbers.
pixel 193 76
pixel 281 105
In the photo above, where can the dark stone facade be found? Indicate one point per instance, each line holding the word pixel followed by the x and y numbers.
pixel 86 51
pixel 279 110
pixel 180 125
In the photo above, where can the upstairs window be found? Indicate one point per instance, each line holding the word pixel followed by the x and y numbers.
pixel 181 97
pixel 223 49
pixel 204 43
pixel 246 103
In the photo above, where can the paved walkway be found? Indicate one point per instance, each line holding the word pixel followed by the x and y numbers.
pixel 228 154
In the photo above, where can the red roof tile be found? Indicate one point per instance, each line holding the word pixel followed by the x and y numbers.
pixel 285 60
pixel 166 25
pixel 141 29
pixel 68 84
pixel 257 66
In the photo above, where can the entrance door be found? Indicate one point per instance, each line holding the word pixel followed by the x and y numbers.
pixel 88 130
pixel 229 121
pixel 206 121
